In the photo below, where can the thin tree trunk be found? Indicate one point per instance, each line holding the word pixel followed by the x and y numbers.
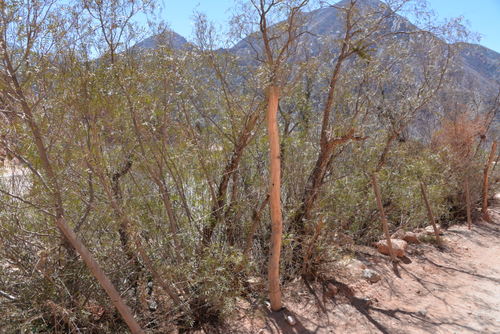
pixel 316 178
pixel 101 277
pixel 274 198
pixel 387 147
pixel 256 217
pixel 429 212
pixel 383 218
pixel 467 202
pixel 229 170
pixel 157 177
pixel 117 202
pixel 484 210
pixel 165 285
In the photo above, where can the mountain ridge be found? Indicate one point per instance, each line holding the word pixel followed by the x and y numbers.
pixel 476 67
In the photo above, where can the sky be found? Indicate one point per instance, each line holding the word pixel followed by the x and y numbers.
pixel 483 16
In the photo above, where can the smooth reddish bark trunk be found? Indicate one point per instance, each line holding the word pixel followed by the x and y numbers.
pixel 274 199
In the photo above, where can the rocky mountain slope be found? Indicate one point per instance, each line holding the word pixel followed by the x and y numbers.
pixel 474 72
pixel 475 68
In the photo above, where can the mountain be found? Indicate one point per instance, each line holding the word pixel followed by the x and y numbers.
pixel 479 64
pixel 168 38
pixel 326 24
pixel 474 72
pixel 481 59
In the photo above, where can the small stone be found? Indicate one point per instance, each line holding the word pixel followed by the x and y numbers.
pixel 152 305
pixel 371 275
pixel 291 320
pixel 367 301
pixel 398 247
pixel 422 313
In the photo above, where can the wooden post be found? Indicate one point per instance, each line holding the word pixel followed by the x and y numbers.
pixel 467 202
pixel 429 212
pixel 484 208
pixel 383 218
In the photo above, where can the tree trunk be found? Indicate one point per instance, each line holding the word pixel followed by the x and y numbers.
pixel 312 190
pixel 256 216
pixel 383 218
pixel 229 170
pixel 467 202
pixel 429 212
pixel 165 285
pixel 484 210
pixel 123 229
pixel 274 198
pixel 101 277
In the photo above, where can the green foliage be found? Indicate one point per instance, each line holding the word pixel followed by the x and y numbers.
pixel 189 125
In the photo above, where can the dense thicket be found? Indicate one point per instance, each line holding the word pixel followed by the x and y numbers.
pixel 158 158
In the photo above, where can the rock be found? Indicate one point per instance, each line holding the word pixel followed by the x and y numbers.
pixel 355 267
pixel 422 313
pixel 411 238
pixel 291 320
pixel 371 275
pixel 429 230
pixel 367 302
pixel 399 234
pixel 398 246
pixel 421 236
pixel 152 305
pixel 331 290
pixel 496 198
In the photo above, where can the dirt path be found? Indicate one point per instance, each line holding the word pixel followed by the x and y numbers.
pixel 456 290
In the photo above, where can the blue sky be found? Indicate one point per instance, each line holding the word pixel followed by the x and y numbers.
pixel 483 15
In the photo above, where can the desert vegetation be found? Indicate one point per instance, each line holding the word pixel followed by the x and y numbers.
pixel 148 189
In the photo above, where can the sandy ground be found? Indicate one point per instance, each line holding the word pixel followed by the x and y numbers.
pixel 455 290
